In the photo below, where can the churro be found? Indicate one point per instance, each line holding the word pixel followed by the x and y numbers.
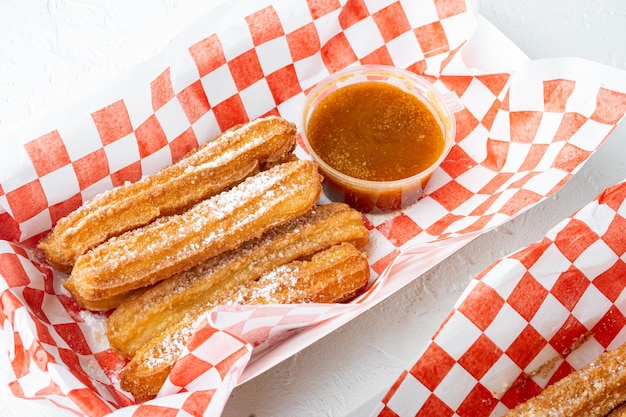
pixel 594 390
pixel 334 275
pixel 143 316
pixel 620 411
pixel 171 244
pixel 212 168
pixel 106 304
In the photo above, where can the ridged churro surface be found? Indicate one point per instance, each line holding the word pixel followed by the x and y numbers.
pixel 212 168
pixel 594 390
pixel 620 411
pixel 334 275
pixel 172 244
pixel 143 316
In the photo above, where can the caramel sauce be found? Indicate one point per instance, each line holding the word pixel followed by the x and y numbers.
pixel 375 131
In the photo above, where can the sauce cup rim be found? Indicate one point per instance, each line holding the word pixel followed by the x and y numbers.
pixel 373 70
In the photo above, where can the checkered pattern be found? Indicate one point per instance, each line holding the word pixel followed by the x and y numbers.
pixel 506 157
pixel 519 139
pixel 72 341
pixel 58 351
pixel 526 321
pixel 216 82
pixel 217 357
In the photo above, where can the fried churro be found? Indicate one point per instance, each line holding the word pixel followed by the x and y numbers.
pixel 171 244
pixel 594 390
pixel 143 316
pixel 620 411
pixel 212 168
pixel 106 304
pixel 334 275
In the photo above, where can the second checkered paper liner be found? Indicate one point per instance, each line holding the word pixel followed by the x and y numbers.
pixel 526 321
pixel 524 128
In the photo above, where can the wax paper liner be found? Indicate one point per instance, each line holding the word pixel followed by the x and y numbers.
pixel 526 321
pixel 525 128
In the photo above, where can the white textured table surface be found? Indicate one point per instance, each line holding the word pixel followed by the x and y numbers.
pixel 57 49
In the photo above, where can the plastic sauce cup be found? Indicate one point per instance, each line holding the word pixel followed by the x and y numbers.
pixel 367 195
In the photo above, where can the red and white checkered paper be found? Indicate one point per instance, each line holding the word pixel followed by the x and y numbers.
pixel 526 321
pixel 523 132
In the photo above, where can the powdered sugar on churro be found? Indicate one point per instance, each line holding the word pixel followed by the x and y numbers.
pixel 174 243
pixel 167 302
pixel 196 221
pixel 212 154
pixel 214 167
pixel 172 345
pixel 265 290
pixel 595 389
pixel 277 286
pixel 333 275
pixel 289 283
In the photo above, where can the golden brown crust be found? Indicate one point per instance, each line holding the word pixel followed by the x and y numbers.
pixel 594 390
pixel 334 275
pixel 106 304
pixel 142 317
pixel 172 244
pixel 212 168
pixel 619 411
